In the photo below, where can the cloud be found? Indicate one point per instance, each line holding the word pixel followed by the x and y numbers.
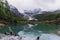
pixel 32 4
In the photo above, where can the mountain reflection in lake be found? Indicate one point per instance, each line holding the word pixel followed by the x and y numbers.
pixel 31 31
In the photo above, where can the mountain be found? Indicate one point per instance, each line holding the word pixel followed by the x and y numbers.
pixel 46 12
pixel 15 11
pixel 32 12
pixel 48 15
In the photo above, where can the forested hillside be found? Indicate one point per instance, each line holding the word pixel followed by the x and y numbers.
pixel 49 17
pixel 6 14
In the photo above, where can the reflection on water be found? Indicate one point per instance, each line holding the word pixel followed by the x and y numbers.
pixel 31 31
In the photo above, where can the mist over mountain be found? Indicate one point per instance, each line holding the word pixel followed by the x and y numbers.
pixel 34 9
pixel 31 14
pixel 45 5
pixel 11 13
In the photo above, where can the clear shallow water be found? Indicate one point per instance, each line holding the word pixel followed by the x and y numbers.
pixel 32 36
pixel 31 31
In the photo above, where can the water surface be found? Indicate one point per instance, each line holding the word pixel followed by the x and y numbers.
pixel 31 31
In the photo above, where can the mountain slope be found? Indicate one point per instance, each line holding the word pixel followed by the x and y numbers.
pixel 15 11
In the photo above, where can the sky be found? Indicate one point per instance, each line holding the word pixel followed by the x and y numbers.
pixel 48 5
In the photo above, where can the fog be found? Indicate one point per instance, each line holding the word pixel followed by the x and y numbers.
pixel 48 5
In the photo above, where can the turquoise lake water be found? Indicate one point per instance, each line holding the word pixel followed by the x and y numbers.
pixel 31 31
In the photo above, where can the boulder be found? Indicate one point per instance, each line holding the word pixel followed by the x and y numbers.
pixel 2 25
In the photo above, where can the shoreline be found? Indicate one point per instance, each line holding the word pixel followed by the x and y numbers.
pixel 54 22
pixel 9 37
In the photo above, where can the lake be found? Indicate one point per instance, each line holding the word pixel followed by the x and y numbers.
pixel 32 31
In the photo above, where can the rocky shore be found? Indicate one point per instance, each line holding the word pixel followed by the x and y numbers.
pixel 9 37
